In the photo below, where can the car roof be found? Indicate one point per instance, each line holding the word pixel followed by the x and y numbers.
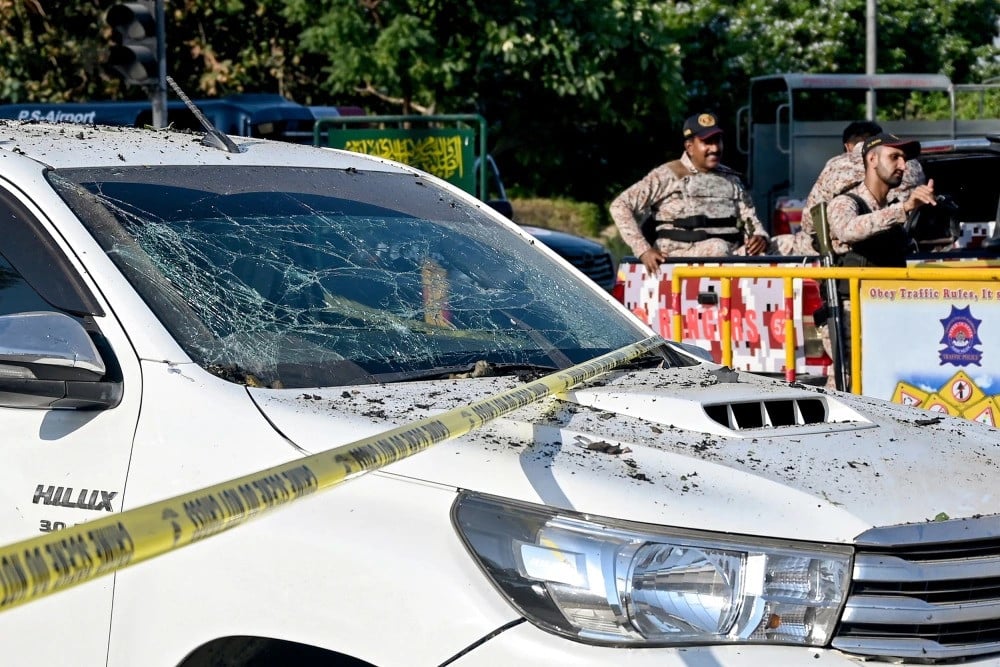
pixel 985 144
pixel 63 146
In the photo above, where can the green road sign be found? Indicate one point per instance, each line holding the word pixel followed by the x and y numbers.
pixel 443 145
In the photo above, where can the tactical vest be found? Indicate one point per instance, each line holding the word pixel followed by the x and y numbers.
pixel 698 193
pixel 888 248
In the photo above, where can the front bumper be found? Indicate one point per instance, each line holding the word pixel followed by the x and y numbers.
pixel 524 644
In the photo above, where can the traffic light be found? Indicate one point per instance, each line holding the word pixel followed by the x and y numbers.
pixel 136 52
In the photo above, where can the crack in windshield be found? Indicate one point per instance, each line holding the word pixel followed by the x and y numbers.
pixel 291 277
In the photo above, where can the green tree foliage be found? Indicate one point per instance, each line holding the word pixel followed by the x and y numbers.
pixel 582 96
pixel 50 55
pixel 53 52
pixel 727 44
pixel 230 46
pixel 580 89
pixel 557 80
pixel 388 51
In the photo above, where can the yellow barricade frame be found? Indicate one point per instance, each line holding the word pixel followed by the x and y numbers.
pixel 958 273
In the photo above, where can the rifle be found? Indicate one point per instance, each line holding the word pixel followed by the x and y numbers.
pixel 835 314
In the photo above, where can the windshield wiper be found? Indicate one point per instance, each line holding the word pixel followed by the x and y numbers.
pixel 480 368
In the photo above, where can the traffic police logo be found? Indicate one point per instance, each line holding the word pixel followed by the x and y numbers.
pixel 961 336
pixel 706 120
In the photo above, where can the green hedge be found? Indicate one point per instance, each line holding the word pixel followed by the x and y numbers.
pixel 565 215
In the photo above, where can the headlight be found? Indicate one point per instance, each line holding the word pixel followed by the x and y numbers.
pixel 614 582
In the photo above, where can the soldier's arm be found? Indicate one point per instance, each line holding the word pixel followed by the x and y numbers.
pixel 633 206
pixel 820 191
pixel 847 226
pixel 817 194
pixel 748 214
pixel 839 174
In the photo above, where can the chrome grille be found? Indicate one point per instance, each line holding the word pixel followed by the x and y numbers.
pixel 927 593
pixel 599 267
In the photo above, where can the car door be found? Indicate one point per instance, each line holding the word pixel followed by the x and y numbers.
pixel 61 465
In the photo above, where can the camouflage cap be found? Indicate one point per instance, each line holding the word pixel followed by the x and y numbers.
pixel 702 125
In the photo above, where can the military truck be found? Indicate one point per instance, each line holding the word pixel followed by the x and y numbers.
pixel 792 124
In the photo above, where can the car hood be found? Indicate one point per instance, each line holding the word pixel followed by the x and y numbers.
pixel 564 241
pixel 691 447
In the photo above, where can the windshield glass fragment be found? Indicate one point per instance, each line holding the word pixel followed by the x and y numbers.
pixel 295 277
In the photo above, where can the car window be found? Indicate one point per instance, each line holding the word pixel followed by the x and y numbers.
pixel 971 180
pixel 16 295
pixel 30 257
pixel 292 277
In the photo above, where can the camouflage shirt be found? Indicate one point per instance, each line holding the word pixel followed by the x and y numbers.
pixel 718 193
pixel 843 172
pixel 847 227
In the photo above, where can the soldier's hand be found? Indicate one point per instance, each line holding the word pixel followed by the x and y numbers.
pixel 922 194
pixel 652 259
pixel 756 245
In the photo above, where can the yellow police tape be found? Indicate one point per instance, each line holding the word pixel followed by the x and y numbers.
pixel 40 566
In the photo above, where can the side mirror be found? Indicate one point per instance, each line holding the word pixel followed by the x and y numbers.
pixel 503 206
pixel 47 360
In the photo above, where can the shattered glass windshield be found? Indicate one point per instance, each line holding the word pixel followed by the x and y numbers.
pixel 304 277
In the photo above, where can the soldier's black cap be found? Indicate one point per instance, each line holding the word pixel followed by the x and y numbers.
pixel 910 147
pixel 702 125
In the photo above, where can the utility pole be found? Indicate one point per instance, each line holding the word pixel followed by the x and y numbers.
pixel 870 50
pixel 158 97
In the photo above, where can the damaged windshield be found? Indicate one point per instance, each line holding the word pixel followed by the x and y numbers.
pixel 306 277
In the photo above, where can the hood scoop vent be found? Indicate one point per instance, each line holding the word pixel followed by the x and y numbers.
pixel 768 414
pixel 732 410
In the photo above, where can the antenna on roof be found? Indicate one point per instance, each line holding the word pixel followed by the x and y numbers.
pixel 212 136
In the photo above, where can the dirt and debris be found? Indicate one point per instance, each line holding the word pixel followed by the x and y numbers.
pixel 724 375
pixel 606 448
pixel 704 445
pixel 479 370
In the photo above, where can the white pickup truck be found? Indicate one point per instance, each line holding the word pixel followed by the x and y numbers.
pixel 174 315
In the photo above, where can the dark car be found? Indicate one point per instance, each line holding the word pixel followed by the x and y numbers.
pixel 590 257
pixel 964 172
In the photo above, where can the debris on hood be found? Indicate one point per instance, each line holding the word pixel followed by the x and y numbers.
pixel 481 369
pixel 725 374
pixel 605 447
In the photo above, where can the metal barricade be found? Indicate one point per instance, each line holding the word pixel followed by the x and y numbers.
pixel 957 273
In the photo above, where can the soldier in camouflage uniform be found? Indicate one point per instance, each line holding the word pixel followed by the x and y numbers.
pixel 864 221
pixel 845 171
pixel 866 226
pixel 691 207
